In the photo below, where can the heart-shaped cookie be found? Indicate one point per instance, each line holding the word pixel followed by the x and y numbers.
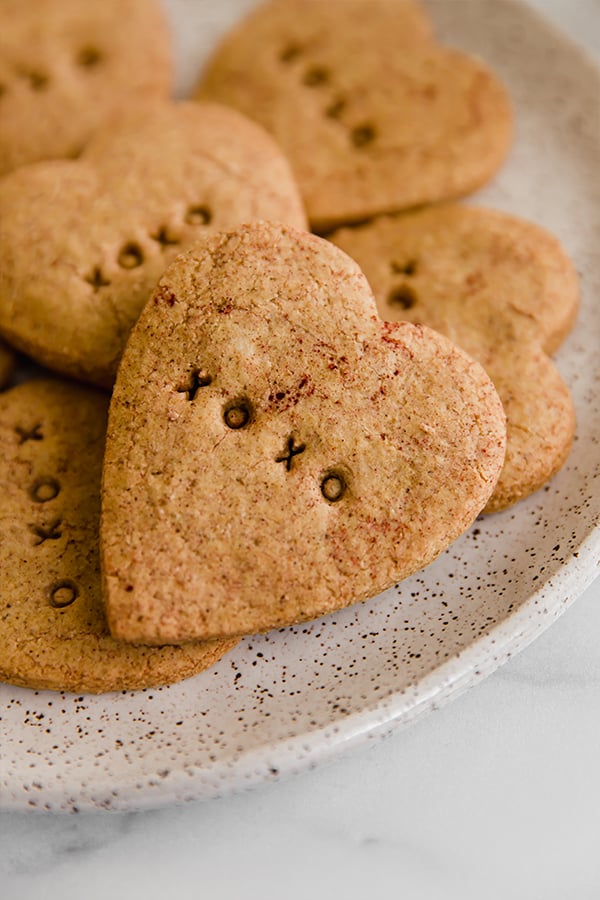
pixel 275 451
pixel 53 633
pixel 66 67
pixel 83 243
pixel 373 115
pixel 504 290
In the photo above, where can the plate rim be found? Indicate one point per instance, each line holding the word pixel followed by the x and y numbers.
pixel 289 756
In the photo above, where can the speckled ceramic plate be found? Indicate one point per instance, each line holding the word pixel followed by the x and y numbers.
pixel 290 699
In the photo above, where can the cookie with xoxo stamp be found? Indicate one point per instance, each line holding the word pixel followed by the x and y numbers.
pixel 67 67
pixel 274 450
pixel 83 243
pixel 505 291
pixel 53 631
pixel 374 115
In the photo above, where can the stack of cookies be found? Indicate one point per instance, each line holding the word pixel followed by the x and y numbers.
pixel 298 420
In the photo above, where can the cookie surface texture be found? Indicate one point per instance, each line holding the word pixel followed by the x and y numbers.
pixel 503 290
pixel 74 276
pixel 53 633
pixel 66 67
pixel 276 452
pixel 372 113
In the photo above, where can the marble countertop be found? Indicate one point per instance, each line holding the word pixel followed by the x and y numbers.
pixel 497 795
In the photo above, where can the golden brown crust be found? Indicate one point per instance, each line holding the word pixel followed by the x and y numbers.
pixel 82 244
pixel 274 451
pixel 504 290
pixel 373 115
pixel 53 633
pixel 66 67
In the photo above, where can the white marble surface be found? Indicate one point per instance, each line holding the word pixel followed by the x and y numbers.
pixel 495 796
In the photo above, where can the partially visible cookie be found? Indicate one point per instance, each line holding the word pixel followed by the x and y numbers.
pixel 373 115
pixel 53 633
pixel 7 364
pixel 276 452
pixel 504 290
pixel 82 243
pixel 66 67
